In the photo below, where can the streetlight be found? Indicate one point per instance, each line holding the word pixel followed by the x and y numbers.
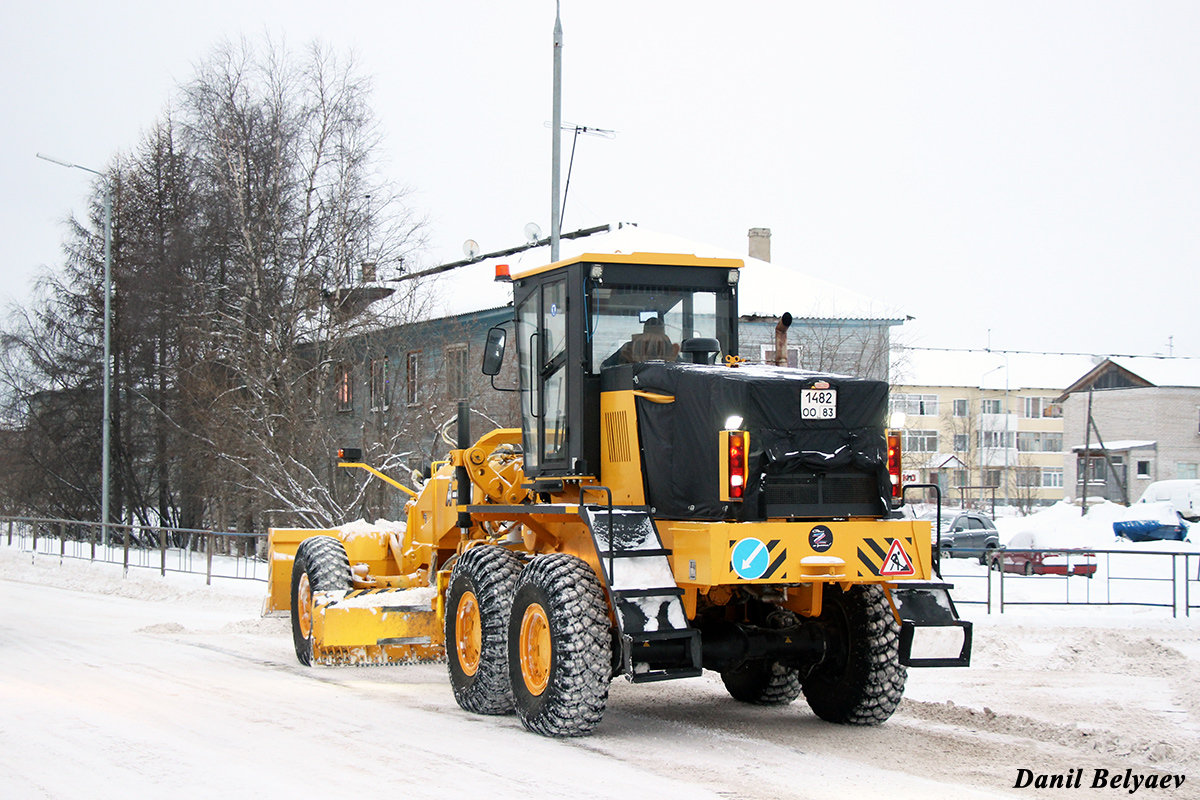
pixel 1003 433
pixel 104 422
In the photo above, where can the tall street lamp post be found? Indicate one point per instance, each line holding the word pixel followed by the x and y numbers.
pixel 105 420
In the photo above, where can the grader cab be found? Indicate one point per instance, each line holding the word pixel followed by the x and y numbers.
pixel 664 508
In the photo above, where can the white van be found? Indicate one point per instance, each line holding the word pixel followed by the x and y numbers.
pixel 1184 495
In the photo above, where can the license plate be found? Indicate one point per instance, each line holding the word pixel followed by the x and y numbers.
pixel 818 404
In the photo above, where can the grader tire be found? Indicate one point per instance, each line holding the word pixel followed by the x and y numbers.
pixel 321 565
pixel 560 647
pixel 861 681
pixel 477 611
pixel 763 683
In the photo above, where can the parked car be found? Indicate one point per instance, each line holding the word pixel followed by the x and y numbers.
pixel 1150 520
pixel 1050 562
pixel 1183 495
pixel 1023 557
pixel 967 534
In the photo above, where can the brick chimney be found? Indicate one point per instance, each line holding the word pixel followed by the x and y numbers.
pixel 760 243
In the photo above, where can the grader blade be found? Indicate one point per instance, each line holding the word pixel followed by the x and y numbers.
pixel 376 626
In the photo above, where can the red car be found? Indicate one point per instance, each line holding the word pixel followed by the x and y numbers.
pixel 1050 562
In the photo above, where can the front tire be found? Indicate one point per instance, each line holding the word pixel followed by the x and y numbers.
pixel 861 680
pixel 477 609
pixel 560 647
pixel 321 565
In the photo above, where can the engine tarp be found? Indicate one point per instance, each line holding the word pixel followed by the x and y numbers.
pixel 680 442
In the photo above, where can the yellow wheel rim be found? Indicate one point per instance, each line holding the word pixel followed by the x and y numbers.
pixel 535 649
pixel 304 605
pixel 468 629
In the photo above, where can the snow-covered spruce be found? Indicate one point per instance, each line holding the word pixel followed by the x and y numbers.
pixel 321 565
pixel 486 577
pixel 566 591
pixel 861 681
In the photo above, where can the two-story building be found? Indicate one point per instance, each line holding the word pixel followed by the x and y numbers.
pixel 1130 422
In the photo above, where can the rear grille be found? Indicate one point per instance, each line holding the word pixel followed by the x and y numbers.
pixel 821 495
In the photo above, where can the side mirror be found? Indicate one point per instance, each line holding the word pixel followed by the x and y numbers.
pixel 493 351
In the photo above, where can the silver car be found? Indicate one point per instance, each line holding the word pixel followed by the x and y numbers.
pixel 967 534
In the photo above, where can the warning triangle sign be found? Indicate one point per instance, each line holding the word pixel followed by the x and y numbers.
pixel 897 562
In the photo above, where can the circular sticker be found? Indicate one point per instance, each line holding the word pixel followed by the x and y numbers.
pixel 820 539
pixel 750 559
pixel 554 309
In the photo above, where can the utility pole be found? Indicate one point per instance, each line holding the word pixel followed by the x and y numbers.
pixel 556 145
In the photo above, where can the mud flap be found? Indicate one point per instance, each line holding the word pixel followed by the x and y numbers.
pixel 929 606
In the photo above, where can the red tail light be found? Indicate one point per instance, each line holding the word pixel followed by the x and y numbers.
pixel 893 443
pixel 737 464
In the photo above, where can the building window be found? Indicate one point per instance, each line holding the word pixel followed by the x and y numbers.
pixel 962 408
pixel 1039 442
pixel 962 477
pixel 1143 469
pixel 995 440
pixel 991 478
pixel 915 405
pixel 1185 471
pixel 1096 468
pixel 1028 477
pixel 381 387
pixel 991 406
pixel 344 381
pixel 962 442
pixel 920 441
pixel 412 387
pixel 457 384
pixel 1052 477
pixel 1039 407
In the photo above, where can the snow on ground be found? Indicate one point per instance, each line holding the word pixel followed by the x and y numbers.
pixel 144 686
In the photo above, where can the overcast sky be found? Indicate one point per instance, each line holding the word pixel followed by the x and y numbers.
pixel 1024 174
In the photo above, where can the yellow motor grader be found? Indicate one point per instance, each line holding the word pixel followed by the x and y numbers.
pixel 664 508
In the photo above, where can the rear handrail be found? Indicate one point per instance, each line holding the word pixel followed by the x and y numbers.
pixel 937 543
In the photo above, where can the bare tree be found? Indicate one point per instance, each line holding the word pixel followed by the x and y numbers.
pixel 244 226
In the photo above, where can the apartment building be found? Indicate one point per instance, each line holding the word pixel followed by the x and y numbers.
pixel 983 425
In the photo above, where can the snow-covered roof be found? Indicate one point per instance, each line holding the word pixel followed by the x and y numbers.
pixel 765 289
pixel 1122 444
pixel 987 370
pixel 995 369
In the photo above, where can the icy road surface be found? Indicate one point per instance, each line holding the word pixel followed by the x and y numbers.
pixel 148 687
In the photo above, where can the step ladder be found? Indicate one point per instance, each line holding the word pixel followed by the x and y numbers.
pixel 657 643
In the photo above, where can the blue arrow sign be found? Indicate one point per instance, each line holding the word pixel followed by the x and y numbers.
pixel 750 559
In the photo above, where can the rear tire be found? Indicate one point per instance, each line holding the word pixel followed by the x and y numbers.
pixel 477 609
pixel 321 565
pixel 763 683
pixel 560 647
pixel 861 680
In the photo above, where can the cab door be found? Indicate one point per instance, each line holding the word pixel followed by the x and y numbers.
pixel 542 339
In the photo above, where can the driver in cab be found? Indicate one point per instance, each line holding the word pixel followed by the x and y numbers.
pixel 652 344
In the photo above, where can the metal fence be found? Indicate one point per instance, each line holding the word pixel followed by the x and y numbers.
pixel 1094 577
pixel 214 554
pixel 1147 578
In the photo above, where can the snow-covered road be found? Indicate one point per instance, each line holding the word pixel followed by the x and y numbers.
pixel 149 687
